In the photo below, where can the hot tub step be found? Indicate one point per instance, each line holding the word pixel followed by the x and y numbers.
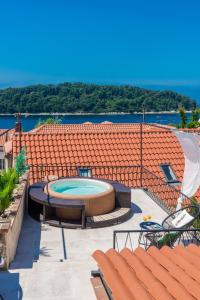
pixel 117 216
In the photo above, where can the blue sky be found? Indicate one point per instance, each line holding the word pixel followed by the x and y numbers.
pixel 138 42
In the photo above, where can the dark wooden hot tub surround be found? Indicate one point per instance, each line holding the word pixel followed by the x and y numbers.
pixel 120 214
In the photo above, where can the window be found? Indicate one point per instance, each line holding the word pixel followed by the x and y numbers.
pixel 169 173
pixel 2 164
pixel 84 172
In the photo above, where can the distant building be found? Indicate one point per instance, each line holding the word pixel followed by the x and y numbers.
pixel 6 148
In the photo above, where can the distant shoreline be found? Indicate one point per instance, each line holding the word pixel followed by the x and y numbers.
pixel 95 114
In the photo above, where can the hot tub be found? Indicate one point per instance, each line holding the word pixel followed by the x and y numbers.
pixel 98 196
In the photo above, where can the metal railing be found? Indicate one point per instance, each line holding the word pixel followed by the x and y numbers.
pixel 158 189
pixel 128 175
pixel 134 238
pixel 165 194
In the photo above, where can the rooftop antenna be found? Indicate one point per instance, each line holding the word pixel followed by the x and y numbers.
pixel 18 124
pixel 143 113
pixel 18 128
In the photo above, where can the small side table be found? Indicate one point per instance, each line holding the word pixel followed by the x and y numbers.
pixel 149 225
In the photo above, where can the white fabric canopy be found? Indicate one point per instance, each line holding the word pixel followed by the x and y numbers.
pixel 190 143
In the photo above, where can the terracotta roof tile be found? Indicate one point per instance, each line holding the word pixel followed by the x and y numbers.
pixel 103 144
pixel 131 280
pixel 190 256
pixel 194 249
pixel 152 274
pixel 91 127
pixel 114 279
pixel 160 269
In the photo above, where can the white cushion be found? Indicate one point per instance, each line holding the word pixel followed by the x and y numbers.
pixel 182 219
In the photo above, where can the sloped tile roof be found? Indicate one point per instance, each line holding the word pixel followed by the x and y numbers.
pixel 153 274
pixel 92 127
pixel 117 145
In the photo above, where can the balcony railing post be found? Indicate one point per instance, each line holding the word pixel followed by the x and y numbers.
pixel 114 238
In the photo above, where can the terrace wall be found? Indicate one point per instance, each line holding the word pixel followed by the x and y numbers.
pixel 10 226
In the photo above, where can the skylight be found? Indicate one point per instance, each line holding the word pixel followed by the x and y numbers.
pixel 84 172
pixel 170 176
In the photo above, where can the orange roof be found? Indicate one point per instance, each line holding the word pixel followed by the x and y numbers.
pixel 102 145
pixel 153 274
pixel 108 145
pixel 91 127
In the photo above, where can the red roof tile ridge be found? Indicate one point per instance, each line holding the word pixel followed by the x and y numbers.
pixel 161 271
pixel 159 274
pixel 99 127
pixel 38 128
pixel 152 284
pixel 180 284
pixel 35 133
pixel 182 263
pixel 191 278
pixel 188 255
pixel 127 273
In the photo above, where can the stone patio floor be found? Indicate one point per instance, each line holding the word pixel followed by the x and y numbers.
pixel 53 263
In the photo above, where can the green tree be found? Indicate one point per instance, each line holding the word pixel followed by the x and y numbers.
pixel 54 120
pixel 81 97
pixel 183 117
pixel 194 119
pixel 195 115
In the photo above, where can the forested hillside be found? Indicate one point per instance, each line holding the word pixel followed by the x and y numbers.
pixel 80 97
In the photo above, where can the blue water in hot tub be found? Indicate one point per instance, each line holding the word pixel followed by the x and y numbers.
pixel 78 187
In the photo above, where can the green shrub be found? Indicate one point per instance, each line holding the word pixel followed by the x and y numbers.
pixel 195 115
pixel 168 239
pixel 21 166
pixel 193 124
pixel 6 176
pixel 7 184
pixel 5 196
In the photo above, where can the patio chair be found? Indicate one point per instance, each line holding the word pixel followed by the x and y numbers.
pixel 180 219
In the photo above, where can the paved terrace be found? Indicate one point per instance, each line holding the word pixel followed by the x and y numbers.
pixel 54 263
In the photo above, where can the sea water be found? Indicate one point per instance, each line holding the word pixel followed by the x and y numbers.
pixel 30 121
